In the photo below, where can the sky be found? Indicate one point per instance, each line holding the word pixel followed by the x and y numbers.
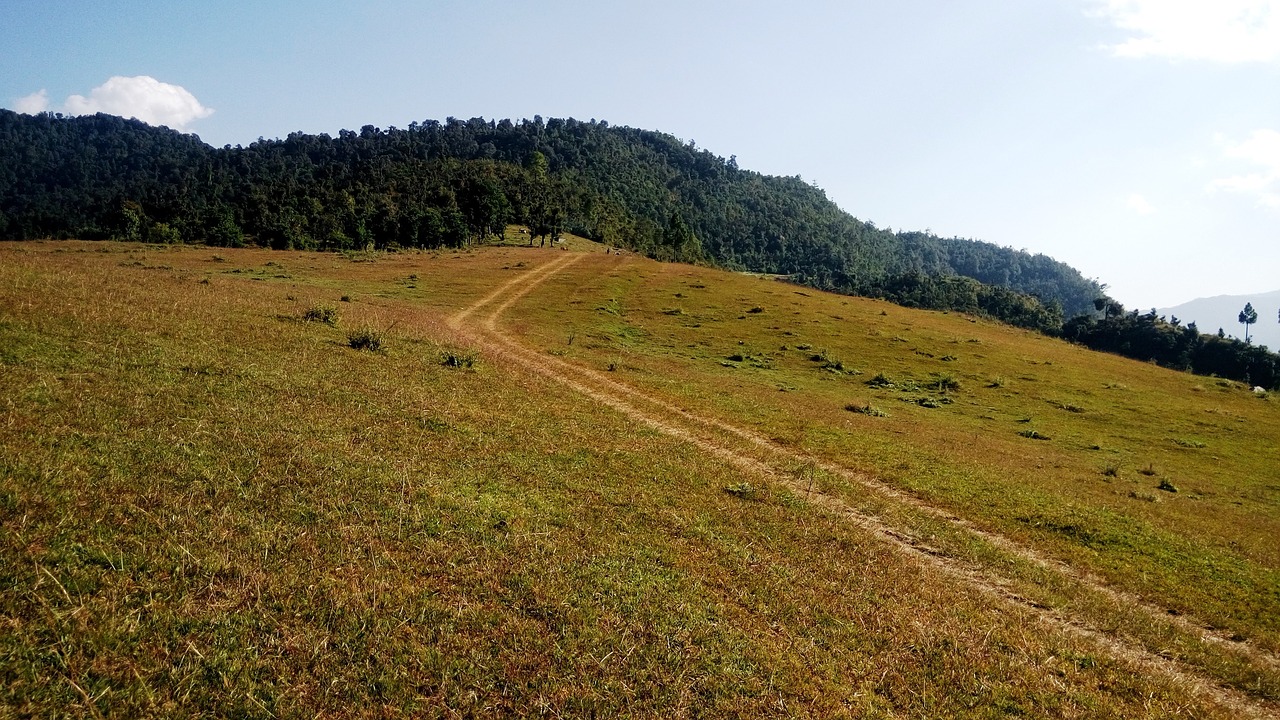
pixel 1137 140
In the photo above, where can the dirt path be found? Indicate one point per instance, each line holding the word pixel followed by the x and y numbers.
pixel 709 435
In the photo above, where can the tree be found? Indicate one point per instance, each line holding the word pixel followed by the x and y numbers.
pixel 1248 316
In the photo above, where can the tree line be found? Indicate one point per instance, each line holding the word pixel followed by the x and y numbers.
pixel 1169 343
pixel 450 183
pixel 453 183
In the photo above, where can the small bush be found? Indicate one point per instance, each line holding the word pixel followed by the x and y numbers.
pixel 880 381
pixel 1167 486
pixel 756 310
pixel 457 359
pixel 946 383
pixel 326 314
pixel 1034 435
pixel 345 298
pixel 743 490
pixel 866 410
pixel 365 339
pixel 1111 471
pixel 996 382
pixel 1183 442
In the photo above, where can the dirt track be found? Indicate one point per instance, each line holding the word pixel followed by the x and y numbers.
pixel 766 459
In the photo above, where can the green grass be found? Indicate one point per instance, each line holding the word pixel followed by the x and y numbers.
pixel 1211 553
pixel 210 508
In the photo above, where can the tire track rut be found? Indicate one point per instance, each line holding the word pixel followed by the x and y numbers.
pixel 702 431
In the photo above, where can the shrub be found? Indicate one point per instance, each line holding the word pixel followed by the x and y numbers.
pixel 457 359
pixel 326 314
pixel 365 339
pixel 880 380
pixel 1111 471
pixel 1167 486
pixel 866 410
pixel 946 382
pixel 743 490
pixel 1034 435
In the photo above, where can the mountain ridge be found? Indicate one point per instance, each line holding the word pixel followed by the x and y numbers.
pixel 1221 311
pixel 435 184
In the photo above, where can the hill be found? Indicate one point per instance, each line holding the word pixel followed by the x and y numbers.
pixel 448 184
pixel 578 483
pixel 1222 311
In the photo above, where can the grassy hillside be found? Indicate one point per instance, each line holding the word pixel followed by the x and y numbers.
pixel 577 483
pixel 447 184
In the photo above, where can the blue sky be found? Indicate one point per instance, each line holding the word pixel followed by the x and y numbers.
pixel 1138 140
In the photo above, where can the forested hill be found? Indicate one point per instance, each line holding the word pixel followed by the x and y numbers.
pixel 445 184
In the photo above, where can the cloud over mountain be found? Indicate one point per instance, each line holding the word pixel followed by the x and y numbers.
pixel 142 97
pixel 36 102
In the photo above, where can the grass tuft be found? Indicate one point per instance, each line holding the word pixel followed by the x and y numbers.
pixel 326 314
pixel 457 359
pixel 366 339
pixel 866 409
pixel 744 490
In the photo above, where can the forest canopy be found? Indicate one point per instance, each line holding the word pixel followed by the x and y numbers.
pixel 439 184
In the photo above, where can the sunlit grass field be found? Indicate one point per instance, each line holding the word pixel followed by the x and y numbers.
pixel 213 505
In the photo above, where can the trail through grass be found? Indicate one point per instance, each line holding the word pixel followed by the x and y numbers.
pixel 212 506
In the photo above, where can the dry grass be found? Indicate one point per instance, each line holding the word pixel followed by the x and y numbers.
pixel 212 508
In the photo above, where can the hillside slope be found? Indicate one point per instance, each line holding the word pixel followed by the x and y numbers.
pixel 443 184
pixel 583 483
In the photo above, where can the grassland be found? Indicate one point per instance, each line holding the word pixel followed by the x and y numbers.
pixel 558 504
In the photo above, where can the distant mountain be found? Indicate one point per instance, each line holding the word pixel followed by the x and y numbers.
pixel 1223 311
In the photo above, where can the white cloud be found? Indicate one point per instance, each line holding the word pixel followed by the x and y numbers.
pixel 141 97
pixel 1261 150
pixel 36 102
pixel 1230 31
pixel 1139 204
